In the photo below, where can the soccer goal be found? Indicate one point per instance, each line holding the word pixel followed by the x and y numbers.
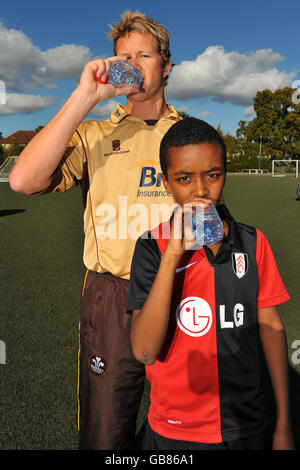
pixel 255 171
pixel 6 168
pixel 285 168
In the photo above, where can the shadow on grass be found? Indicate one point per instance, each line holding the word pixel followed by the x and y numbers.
pixel 10 212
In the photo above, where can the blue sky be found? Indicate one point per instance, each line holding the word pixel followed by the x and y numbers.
pixel 224 53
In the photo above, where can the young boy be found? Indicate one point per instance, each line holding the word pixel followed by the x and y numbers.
pixel 200 316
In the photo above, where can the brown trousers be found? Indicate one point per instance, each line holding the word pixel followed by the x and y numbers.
pixel 110 381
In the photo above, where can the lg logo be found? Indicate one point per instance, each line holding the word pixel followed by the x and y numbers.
pixel 194 316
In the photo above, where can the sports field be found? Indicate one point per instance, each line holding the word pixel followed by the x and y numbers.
pixel 41 276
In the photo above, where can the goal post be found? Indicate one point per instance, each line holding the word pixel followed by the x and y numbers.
pixel 285 168
pixel 255 171
pixel 6 168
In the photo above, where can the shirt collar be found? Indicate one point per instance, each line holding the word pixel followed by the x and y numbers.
pixel 230 243
pixel 233 237
pixel 119 114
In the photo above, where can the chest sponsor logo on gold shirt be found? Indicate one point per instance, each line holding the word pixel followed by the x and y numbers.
pixel 116 149
pixel 150 178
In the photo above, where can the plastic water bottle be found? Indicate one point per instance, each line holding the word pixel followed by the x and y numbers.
pixel 123 73
pixel 207 229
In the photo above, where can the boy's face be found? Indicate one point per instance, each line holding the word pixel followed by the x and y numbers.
pixel 195 172
pixel 141 51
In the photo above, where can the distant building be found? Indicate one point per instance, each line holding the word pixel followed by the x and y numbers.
pixel 19 137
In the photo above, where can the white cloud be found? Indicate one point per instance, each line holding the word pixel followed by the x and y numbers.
pixel 183 108
pixel 227 76
pixel 23 64
pixel 205 113
pixel 18 56
pixel 65 61
pixel 104 110
pixel 249 111
pixel 25 104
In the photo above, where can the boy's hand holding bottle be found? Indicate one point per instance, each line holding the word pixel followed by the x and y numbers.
pixel 194 225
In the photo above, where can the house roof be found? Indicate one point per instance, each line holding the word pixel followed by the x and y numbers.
pixel 19 137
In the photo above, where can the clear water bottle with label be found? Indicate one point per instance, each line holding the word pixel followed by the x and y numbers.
pixel 123 73
pixel 207 228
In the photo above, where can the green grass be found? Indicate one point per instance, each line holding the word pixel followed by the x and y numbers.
pixel 41 277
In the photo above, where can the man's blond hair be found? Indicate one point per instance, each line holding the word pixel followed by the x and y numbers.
pixel 136 21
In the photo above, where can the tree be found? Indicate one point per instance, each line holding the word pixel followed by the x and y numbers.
pixel 276 125
pixel 235 153
pixel 183 114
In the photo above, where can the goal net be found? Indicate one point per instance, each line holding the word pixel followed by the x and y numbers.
pixel 285 168
pixel 255 171
pixel 6 168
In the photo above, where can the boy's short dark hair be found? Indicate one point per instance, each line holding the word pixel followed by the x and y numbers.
pixel 189 131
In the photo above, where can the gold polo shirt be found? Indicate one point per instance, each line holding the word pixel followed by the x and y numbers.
pixel 116 161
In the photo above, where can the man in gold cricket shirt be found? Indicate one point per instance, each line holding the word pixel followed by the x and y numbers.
pixel 116 162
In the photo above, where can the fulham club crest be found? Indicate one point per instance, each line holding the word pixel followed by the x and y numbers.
pixel 240 264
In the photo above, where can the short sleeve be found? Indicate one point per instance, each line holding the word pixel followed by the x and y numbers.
pixel 145 263
pixel 272 290
pixel 70 170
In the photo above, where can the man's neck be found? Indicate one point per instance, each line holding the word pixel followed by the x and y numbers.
pixel 147 110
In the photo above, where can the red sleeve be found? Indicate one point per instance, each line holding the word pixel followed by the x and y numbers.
pixel 271 291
